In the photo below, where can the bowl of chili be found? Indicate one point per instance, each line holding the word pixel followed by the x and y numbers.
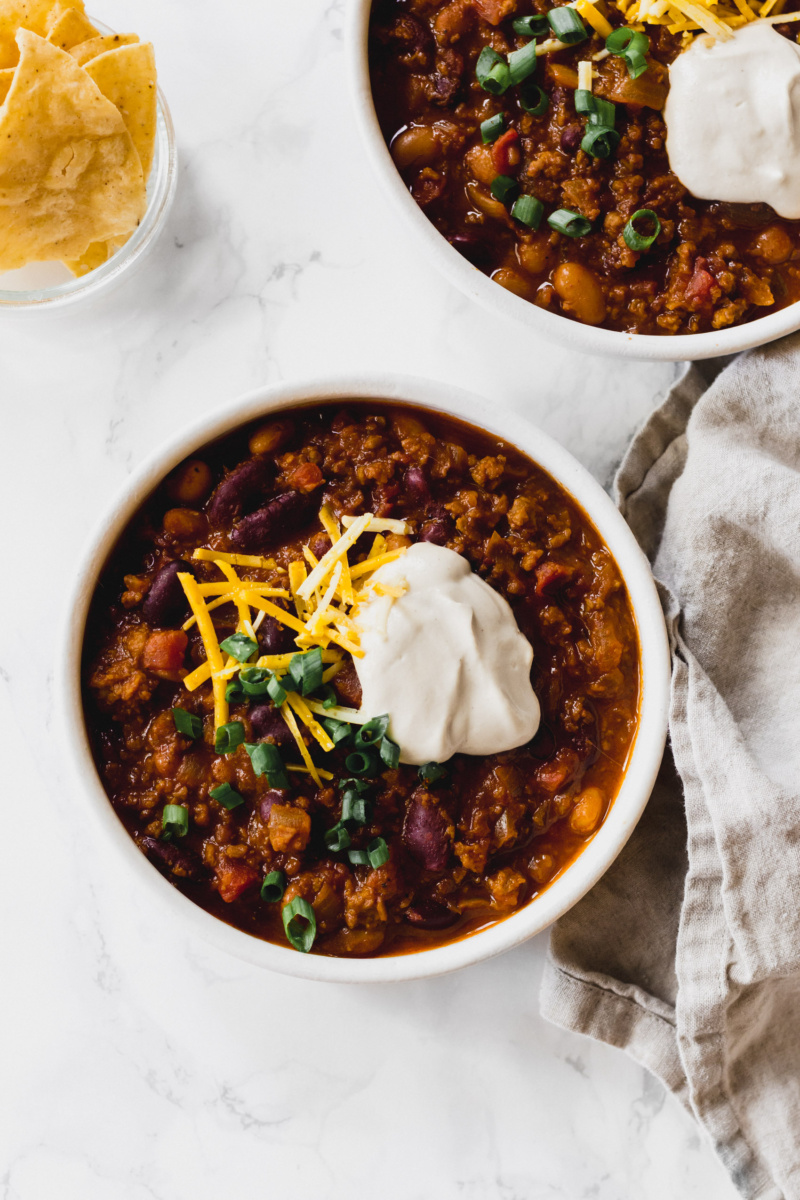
pixel 489 171
pixel 248 796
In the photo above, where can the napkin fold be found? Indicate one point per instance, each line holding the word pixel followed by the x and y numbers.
pixel 687 953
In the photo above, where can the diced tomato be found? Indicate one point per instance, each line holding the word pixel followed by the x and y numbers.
pixel 306 477
pixel 505 152
pixel 234 876
pixel 698 292
pixel 164 650
pixel 550 576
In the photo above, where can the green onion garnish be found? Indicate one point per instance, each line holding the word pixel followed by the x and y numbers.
pixel 339 730
pixel 306 670
pixel 390 753
pixel 276 691
pixel 175 820
pixel 360 785
pixel 599 141
pixel 233 692
pixel 567 26
pixel 273 887
pixel 377 852
pixel 432 772
pixel 491 71
pixel 239 647
pixel 337 838
pixel 355 808
pixel 327 695
pixel 300 924
pixel 266 760
pixel 631 46
pixel 491 128
pixel 533 99
pixel 361 762
pixel 564 220
pixel 595 108
pixel 503 187
pixel 640 241
pixel 371 732
pixel 359 858
pixel 226 796
pixel 535 26
pixel 528 210
pixel 187 723
pixel 254 681
pixel 522 63
pixel 228 737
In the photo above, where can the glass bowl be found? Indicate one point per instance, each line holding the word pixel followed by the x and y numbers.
pixel 51 285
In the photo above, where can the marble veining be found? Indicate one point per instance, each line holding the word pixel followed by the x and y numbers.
pixel 137 1062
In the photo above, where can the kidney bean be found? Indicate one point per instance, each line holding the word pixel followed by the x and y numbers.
pixel 173 859
pixel 166 604
pixel 437 531
pixel 267 722
pixel 416 485
pixel 274 638
pixel 571 137
pixel 254 533
pixel 474 249
pixel 240 490
pixel 425 834
pixel 273 796
pixel 428 914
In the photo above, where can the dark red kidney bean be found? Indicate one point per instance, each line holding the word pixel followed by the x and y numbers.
pixel 425 834
pixel 428 914
pixel 173 859
pixel 267 722
pixel 166 604
pixel 255 534
pixel 571 138
pixel 274 638
pixel 437 531
pixel 240 490
pixel 474 249
pixel 273 796
pixel 320 544
pixel 416 485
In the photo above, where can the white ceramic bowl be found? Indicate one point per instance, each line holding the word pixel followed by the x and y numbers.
pixel 435 248
pixel 598 854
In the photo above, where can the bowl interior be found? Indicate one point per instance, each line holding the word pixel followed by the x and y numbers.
pixel 644 760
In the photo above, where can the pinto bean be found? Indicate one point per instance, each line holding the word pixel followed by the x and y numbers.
pixel 773 245
pixel 354 941
pixel 515 282
pixel 429 914
pixel 267 723
pixel 166 604
pixel 417 146
pixel 240 490
pixel 425 833
pixel 535 255
pixel 485 202
pixel 191 483
pixel 185 524
pixel 172 859
pixel 587 811
pixel 270 437
pixel 481 163
pixel 580 292
pixel 256 532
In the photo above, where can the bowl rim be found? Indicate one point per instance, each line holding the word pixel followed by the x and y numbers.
pixel 480 288
pixel 646 755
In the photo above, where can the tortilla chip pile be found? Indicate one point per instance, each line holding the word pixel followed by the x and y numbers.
pixel 77 131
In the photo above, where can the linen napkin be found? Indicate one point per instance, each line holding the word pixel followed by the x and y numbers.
pixel 687 953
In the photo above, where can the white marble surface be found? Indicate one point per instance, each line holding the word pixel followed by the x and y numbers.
pixel 137 1063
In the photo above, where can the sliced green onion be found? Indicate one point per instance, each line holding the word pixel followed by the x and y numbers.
pixel 273 887
pixel 360 785
pixel 377 852
pixel 254 681
pixel 567 26
pixel 175 820
pixel 239 647
pixel 390 753
pixel 327 695
pixel 491 71
pixel 491 128
pixel 564 220
pixel 187 723
pixel 337 838
pixel 306 670
pixel 600 141
pixel 227 796
pixel 631 46
pixel 535 26
pixel 635 62
pixel 533 99
pixel 361 762
pixel 432 772
pixel 266 760
pixel 359 858
pixel 355 808
pixel 339 730
pixel 595 108
pixel 522 63
pixel 503 187
pixel 228 737
pixel 276 691
pixel 300 924
pixel 640 241
pixel 528 210
pixel 233 691
pixel 371 732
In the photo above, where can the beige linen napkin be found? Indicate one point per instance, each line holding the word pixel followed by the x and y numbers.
pixel 687 953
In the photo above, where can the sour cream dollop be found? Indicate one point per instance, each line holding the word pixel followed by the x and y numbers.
pixel 733 119
pixel 446 660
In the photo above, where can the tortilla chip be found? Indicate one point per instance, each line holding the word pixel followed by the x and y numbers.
pixel 72 28
pixel 127 77
pixel 69 171
pixel 6 79
pixel 94 256
pixel 85 51
pixel 37 15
